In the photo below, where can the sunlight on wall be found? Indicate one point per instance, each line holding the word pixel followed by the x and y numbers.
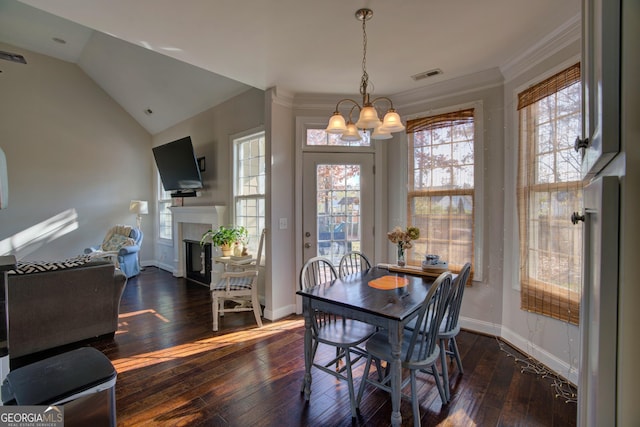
pixel 27 241
pixel 194 348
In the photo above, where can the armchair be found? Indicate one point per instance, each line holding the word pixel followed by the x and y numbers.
pixel 122 245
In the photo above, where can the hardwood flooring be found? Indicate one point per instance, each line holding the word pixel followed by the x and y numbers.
pixel 173 370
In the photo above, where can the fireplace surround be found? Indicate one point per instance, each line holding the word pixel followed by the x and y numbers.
pixel 184 219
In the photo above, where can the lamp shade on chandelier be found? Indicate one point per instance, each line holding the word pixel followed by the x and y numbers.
pixel 368 118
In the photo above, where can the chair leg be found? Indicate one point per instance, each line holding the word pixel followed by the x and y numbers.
pixel 456 353
pixel 445 372
pixel 257 311
pixel 214 309
pixel 365 375
pixel 415 402
pixel 436 375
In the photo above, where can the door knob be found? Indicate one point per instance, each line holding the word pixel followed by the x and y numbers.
pixel 576 217
pixel 307 245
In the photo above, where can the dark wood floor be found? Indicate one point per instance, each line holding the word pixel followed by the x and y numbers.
pixel 173 370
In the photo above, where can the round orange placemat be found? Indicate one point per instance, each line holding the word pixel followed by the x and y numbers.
pixel 389 282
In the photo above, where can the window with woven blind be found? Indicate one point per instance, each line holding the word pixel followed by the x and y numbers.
pixel 549 189
pixel 441 186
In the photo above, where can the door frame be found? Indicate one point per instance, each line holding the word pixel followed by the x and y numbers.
pixel 380 198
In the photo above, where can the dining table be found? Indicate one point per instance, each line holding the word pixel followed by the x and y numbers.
pixel 377 296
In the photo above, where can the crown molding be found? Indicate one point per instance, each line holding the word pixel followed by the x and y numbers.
pixel 280 96
pixel 561 37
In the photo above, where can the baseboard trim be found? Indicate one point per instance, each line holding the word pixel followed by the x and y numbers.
pixel 558 366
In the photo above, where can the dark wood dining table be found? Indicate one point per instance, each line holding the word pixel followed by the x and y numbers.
pixel 355 297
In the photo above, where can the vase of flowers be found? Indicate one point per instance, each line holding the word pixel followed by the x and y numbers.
pixel 402 240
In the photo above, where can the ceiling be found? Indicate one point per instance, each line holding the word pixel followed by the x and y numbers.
pixel 180 58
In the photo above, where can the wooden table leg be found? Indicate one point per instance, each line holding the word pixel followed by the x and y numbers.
pixel 308 349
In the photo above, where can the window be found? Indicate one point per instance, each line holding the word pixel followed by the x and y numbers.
pixel 249 186
pixel 441 186
pixel 320 137
pixel 549 190
pixel 165 225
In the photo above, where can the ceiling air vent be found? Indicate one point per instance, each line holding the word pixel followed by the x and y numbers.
pixel 427 74
pixel 13 57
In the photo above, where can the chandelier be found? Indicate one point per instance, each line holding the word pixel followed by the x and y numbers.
pixel 368 118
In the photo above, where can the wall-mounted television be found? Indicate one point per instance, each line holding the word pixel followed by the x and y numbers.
pixel 178 167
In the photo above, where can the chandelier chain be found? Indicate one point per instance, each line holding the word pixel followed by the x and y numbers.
pixel 365 77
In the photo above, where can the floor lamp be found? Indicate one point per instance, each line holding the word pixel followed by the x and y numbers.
pixel 139 207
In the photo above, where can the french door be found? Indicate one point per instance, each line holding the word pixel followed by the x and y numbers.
pixel 337 205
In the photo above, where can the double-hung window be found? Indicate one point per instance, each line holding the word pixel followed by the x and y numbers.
pixel 441 186
pixel 165 225
pixel 549 189
pixel 249 185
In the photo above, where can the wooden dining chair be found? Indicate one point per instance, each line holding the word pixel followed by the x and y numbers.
pixel 242 288
pixel 326 328
pixel 352 262
pixel 450 328
pixel 420 351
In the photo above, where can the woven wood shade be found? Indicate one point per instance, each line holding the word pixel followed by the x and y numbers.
pixel 440 121
pixel 549 86
pixel 549 189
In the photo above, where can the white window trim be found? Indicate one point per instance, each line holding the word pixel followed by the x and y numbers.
pixel 478 171
pixel 232 204
pixel 159 190
pixel 232 155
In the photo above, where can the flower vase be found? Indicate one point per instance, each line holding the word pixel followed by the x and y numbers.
pixel 401 260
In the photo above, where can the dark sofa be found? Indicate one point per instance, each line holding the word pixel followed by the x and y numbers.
pixel 53 308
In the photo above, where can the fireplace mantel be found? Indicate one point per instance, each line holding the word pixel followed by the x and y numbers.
pixel 212 216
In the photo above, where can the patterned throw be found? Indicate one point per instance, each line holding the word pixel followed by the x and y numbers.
pixel 27 267
pixel 235 284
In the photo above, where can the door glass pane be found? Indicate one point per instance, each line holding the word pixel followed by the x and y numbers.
pixel 338 210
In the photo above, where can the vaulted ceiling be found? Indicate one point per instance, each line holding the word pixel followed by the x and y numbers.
pixel 180 58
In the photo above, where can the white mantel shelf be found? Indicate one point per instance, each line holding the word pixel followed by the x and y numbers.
pixel 212 216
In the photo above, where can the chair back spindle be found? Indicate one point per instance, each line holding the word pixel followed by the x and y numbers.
pixel 353 262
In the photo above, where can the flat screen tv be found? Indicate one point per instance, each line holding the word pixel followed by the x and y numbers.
pixel 178 167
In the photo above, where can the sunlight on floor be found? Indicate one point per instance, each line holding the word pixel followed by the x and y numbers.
pixel 208 344
pixel 458 418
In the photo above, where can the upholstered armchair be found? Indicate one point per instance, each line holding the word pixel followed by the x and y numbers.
pixel 122 245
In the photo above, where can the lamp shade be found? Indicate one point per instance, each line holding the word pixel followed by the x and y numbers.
pixel 379 133
pixel 337 124
pixel 140 207
pixel 351 134
pixel 392 122
pixel 368 118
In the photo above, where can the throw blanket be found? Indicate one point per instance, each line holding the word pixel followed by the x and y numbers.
pixel 117 237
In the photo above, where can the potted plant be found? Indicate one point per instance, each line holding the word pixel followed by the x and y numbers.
pixel 225 237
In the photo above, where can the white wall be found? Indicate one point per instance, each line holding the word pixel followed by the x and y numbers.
pixel 75 160
pixel 282 278
pixel 210 133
